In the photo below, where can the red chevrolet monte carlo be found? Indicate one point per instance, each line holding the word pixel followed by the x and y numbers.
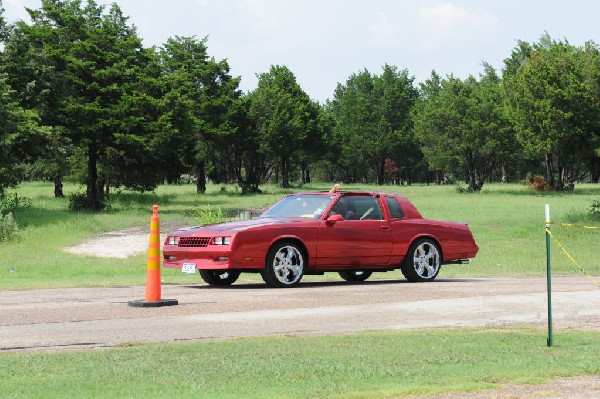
pixel 352 233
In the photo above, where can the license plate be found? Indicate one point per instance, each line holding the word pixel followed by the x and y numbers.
pixel 188 268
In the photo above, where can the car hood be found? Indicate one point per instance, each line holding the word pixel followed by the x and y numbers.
pixel 230 228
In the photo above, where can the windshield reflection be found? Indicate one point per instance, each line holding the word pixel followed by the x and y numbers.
pixel 304 206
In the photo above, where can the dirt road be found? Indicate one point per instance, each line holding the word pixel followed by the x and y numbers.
pixel 57 319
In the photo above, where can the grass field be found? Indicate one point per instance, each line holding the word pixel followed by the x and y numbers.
pixel 507 221
pixel 367 365
pixel 508 224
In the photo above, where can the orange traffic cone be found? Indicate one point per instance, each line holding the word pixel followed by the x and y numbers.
pixel 153 298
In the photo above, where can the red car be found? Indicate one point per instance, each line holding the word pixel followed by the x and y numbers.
pixel 352 233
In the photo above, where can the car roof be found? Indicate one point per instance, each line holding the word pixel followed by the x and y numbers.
pixel 343 192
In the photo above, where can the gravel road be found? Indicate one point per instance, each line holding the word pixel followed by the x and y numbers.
pixel 80 318
pixel 54 319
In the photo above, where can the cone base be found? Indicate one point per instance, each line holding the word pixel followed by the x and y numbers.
pixel 152 304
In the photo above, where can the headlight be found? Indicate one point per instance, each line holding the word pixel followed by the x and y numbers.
pixel 222 240
pixel 172 240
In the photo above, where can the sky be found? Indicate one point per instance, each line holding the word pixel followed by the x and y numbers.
pixel 323 42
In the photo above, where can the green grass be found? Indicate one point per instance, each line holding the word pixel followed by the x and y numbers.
pixel 507 221
pixel 366 365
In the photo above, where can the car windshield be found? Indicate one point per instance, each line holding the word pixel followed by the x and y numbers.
pixel 303 205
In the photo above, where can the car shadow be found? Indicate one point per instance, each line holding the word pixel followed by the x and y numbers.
pixel 312 284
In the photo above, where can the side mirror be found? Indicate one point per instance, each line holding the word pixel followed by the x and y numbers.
pixel 331 220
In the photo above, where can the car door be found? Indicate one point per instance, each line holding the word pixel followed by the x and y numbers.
pixel 362 239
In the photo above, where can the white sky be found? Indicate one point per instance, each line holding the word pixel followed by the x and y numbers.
pixel 324 41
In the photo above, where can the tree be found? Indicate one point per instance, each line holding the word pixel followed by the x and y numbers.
pixel 200 94
pixel 462 126
pixel 93 62
pixel 249 159
pixel 21 137
pixel 3 24
pixel 283 116
pixel 372 121
pixel 554 100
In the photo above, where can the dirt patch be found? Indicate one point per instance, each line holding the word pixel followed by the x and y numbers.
pixel 572 388
pixel 121 243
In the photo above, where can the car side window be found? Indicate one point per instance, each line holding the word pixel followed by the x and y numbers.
pixel 395 208
pixel 362 208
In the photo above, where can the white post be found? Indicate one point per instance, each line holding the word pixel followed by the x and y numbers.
pixel 548 276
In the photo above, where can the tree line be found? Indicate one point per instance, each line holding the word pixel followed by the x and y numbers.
pixel 81 98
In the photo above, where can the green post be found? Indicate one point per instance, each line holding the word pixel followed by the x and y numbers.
pixel 548 276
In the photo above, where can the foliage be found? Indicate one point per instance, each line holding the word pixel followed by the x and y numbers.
pixel 14 202
pixel 198 105
pixel 284 119
pixel 9 230
pixel 462 127
pixel 82 98
pixel 537 183
pixel 91 65
pixel 551 88
pixel 208 215
pixel 372 123
pixel 20 136
pixel 595 208
pixel 78 202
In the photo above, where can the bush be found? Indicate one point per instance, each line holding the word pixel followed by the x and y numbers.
pixel 208 215
pixel 595 208
pixel 78 202
pixel 537 183
pixel 13 202
pixel 9 230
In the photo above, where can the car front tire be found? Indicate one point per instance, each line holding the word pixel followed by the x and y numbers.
pixel 422 262
pixel 219 278
pixel 285 265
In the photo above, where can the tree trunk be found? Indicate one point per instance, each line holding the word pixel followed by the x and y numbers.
pixel 549 167
pixel 200 178
pixel 58 186
pixel 504 174
pixel 285 179
pixel 92 202
pixel 381 172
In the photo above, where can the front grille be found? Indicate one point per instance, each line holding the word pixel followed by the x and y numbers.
pixel 190 242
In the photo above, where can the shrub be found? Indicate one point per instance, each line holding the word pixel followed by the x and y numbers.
pixel 208 215
pixel 78 202
pixel 9 230
pixel 14 202
pixel 595 208
pixel 537 183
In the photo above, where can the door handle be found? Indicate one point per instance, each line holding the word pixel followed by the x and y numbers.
pixel 385 227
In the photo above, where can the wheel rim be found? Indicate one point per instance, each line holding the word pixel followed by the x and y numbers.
pixel 426 260
pixel 288 265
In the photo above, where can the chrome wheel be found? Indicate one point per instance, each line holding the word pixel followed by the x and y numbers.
pixel 285 265
pixel 422 261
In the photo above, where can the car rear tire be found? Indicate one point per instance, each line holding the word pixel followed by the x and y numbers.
pixel 285 264
pixel 422 262
pixel 355 275
pixel 219 278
